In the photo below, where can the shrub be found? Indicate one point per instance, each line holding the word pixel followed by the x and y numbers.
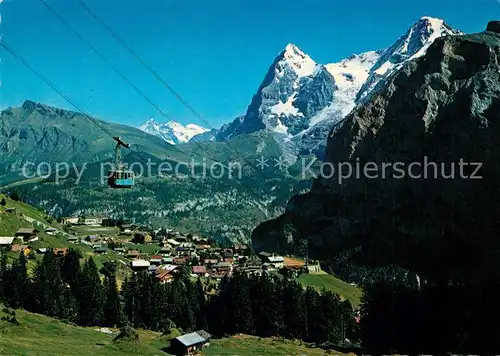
pixel 127 333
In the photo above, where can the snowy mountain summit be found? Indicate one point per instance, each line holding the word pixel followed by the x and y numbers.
pixel 413 44
pixel 302 101
pixel 172 132
pixel 294 88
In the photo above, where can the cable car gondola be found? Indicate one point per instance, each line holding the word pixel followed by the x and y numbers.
pixel 119 177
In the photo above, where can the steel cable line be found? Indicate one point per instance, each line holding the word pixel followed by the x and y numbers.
pixel 141 93
pixel 117 71
pixel 159 77
pixel 8 48
pixel 128 81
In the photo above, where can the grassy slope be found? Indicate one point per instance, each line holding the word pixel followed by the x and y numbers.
pixel 329 282
pixel 40 335
pixel 252 345
pixel 10 223
pixel 43 336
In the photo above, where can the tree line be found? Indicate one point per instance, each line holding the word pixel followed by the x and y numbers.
pixel 267 305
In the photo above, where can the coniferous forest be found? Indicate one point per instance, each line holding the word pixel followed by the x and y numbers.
pixel 396 316
pixel 267 305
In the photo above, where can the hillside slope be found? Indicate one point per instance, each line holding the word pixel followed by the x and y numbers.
pixel 39 335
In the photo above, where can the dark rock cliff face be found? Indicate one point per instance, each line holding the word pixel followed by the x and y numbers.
pixel 443 108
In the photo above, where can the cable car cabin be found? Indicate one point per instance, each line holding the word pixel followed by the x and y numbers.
pixel 121 179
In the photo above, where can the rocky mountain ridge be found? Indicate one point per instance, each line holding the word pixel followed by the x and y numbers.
pixel 172 132
pixel 442 106
pixel 300 100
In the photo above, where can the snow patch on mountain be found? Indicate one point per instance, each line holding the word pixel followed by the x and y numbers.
pixel 286 108
pixel 172 132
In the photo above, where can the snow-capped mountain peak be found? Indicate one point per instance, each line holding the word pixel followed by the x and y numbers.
pixel 413 43
pixel 172 132
pixel 303 100
pixel 298 61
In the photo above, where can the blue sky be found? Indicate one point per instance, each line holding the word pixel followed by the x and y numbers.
pixel 214 52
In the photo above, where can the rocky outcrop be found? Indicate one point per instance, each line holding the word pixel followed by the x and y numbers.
pixel 441 108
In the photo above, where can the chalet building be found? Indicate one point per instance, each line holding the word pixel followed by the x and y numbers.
pixel 27 234
pixel 210 262
pixel 173 242
pixel 271 261
pixel 202 247
pixel 164 276
pixel 313 267
pixel 190 344
pixel 276 261
pixel 51 231
pixel 10 210
pixel 168 260
pixel 240 249
pixel 179 261
pixel 101 250
pixel 127 229
pixel 6 241
pixel 73 239
pixel 156 260
pixel 70 221
pixel 132 254
pixel 253 261
pixel 264 255
pixel 90 221
pixel 200 270
pixel 223 267
pixel 139 265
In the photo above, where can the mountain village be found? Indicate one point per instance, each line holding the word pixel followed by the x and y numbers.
pixel 160 252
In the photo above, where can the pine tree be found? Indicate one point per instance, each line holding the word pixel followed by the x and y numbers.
pixel 48 288
pixel 328 320
pixel 313 311
pixel 70 266
pixel 3 275
pixel 90 295
pixel 20 283
pixel 201 320
pixel 130 293
pixel 240 304
pixel 294 311
pixel 112 310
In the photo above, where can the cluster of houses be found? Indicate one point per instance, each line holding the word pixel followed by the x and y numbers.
pixel 204 260
pixel 173 251
pixel 23 235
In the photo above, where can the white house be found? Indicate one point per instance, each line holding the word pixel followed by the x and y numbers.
pixel 276 261
pixel 139 264
pixel 6 240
